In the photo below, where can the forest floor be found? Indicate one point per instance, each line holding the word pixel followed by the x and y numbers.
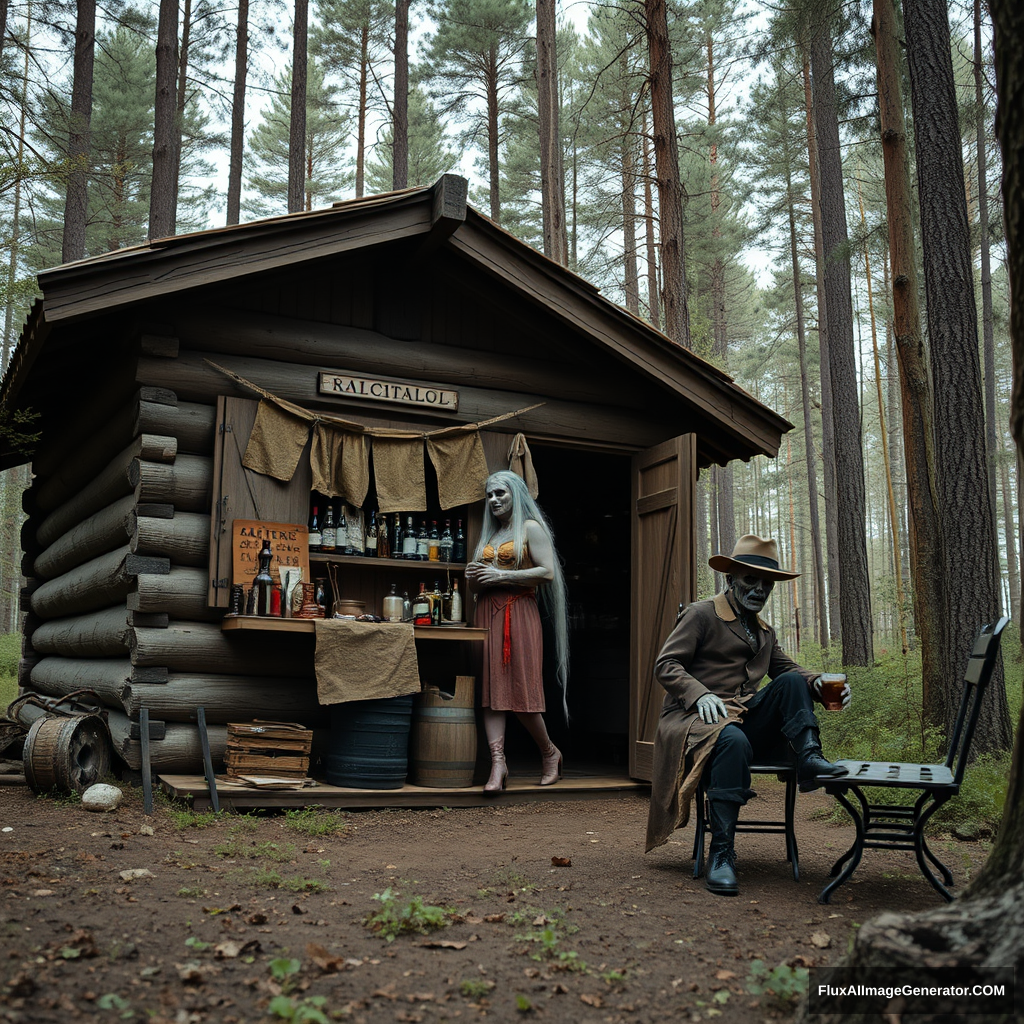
pixel 548 910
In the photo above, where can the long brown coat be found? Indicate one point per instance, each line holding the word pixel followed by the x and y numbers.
pixel 707 652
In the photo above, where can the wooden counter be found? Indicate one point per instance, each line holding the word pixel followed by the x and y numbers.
pixel 276 625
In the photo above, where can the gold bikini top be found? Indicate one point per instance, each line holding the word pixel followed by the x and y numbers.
pixel 506 556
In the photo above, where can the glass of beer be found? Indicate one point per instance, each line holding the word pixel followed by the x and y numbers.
pixel 832 684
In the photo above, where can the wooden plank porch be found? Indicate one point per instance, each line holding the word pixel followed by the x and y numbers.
pixel 582 782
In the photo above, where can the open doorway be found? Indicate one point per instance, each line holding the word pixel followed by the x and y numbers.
pixel 586 496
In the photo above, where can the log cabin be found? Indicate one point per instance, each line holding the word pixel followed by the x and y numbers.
pixel 146 366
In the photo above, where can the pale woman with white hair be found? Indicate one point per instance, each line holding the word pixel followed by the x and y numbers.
pixel 515 560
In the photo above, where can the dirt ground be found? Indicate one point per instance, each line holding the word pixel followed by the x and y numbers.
pixel 179 918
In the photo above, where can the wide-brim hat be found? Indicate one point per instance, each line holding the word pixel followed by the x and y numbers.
pixel 752 554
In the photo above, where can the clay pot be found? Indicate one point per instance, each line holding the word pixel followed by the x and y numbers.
pixel 346 606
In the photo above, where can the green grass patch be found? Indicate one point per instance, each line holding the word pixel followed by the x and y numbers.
pixel 235 849
pixel 412 914
pixel 315 821
pixel 270 878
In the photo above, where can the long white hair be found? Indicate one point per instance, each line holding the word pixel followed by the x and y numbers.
pixel 551 592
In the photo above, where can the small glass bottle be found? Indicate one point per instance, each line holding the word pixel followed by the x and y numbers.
pixel 343 543
pixel 435 604
pixel 263 584
pixel 383 538
pixel 315 536
pixel 421 608
pixel 422 542
pixel 409 539
pixel 459 544
pixel 329 537
pixel 447 542
pixel 456 612
pixel 396 537
pixel 433 543
pixel 406 607
pixel 392 608
pixel 370 541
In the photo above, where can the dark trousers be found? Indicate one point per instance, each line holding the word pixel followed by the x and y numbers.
pixel 777 715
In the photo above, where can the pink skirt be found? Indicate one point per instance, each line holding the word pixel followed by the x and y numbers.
pixel 513 658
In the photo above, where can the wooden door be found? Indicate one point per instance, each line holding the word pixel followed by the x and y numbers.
pixel 239 493
pixel 663 575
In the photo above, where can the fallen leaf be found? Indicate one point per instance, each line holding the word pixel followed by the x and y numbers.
pixel 189 972
pixel 494 918
pixel 540 921
pixel 327 962
pixel 386 993
pixel 561 862
pixel 590 1000
pixel 43 892
pixel 821 939
pixel 420 997
pixel 725 975
pixel 473 919
pixel 442 944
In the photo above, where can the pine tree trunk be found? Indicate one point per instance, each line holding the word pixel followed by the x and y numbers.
pixel 988 336
pixel 3 24
pixel 181 97
pixel 364 74
pixel 653 291
pixel 828 441
pixel 1012 565
pixel 161 197
pixel 9 339
pixel 925 547
pixel 400 105
pixel 961 474
pixel 493 169
pixel 552 174
pixel 855 597
pixel 630 281
pixel 805 401
pixel 297 130
pixel 76 201
pixel 666 163
pixel 238 114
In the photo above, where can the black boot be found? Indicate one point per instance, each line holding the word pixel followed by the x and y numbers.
pixel 811 762
pixel 720 877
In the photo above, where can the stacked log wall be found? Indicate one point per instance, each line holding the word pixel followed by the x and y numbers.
pixel 117 557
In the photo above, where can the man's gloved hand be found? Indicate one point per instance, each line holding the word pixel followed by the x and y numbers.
pixel 847 693
pixel 711 707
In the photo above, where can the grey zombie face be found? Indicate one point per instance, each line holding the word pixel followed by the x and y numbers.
pixel 750 592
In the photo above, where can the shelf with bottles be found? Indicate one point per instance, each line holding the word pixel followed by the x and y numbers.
pixel 372 562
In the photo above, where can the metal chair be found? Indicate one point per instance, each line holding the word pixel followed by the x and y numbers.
pixel 786 773
pixel 901 826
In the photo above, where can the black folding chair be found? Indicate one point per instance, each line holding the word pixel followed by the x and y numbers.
pixel 901 826
pixel 702 824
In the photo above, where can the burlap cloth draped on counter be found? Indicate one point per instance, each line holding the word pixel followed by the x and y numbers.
pixel 364 660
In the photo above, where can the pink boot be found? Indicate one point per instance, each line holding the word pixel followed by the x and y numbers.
pixel 550 765
pixel 499 773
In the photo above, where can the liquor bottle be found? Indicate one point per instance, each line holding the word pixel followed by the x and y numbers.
pixel 370 543
pixel 383 538
pixel 343 544
pixel 433 543
pixel 421 608
pixel 396 538
pixel 456 602
pixel 263 584
pixel 435 604
pixel 406 607
pixel 459 544
pixel 409 539
pixel 422 543
pixel 315 536
pixel 446 542
pixel 329 537
pixel 392 607
pixel 354 530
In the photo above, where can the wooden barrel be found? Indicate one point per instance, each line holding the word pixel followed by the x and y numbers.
pixel 66 754
pixel 442 748
pixel 369 744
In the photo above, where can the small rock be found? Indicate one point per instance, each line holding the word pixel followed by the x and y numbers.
pixel 101 797
pixel 821 939
pixel 132 873
pixel 147 830
pixel 6 828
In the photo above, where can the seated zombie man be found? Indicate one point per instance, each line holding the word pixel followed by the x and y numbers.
pixel 717 719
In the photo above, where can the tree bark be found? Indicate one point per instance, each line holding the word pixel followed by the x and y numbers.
pixel 967 520
pixel 552 175
pixel 181 99
pixel 666 163
pixel 828 441
pixel 76 201
pixel 364 74
pixel 297 130
pixel 630 280
pixel 925 546
pixel 653 290
pixel 400 104
pixel 1012 565
pixel 161 196
pixel 855 596
pixel 238 113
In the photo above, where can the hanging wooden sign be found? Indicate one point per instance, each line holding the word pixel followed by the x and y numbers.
pixel 388 389
pixel 289 546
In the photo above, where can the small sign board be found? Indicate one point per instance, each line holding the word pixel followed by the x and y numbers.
pixel 387 389
pixel 289 545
